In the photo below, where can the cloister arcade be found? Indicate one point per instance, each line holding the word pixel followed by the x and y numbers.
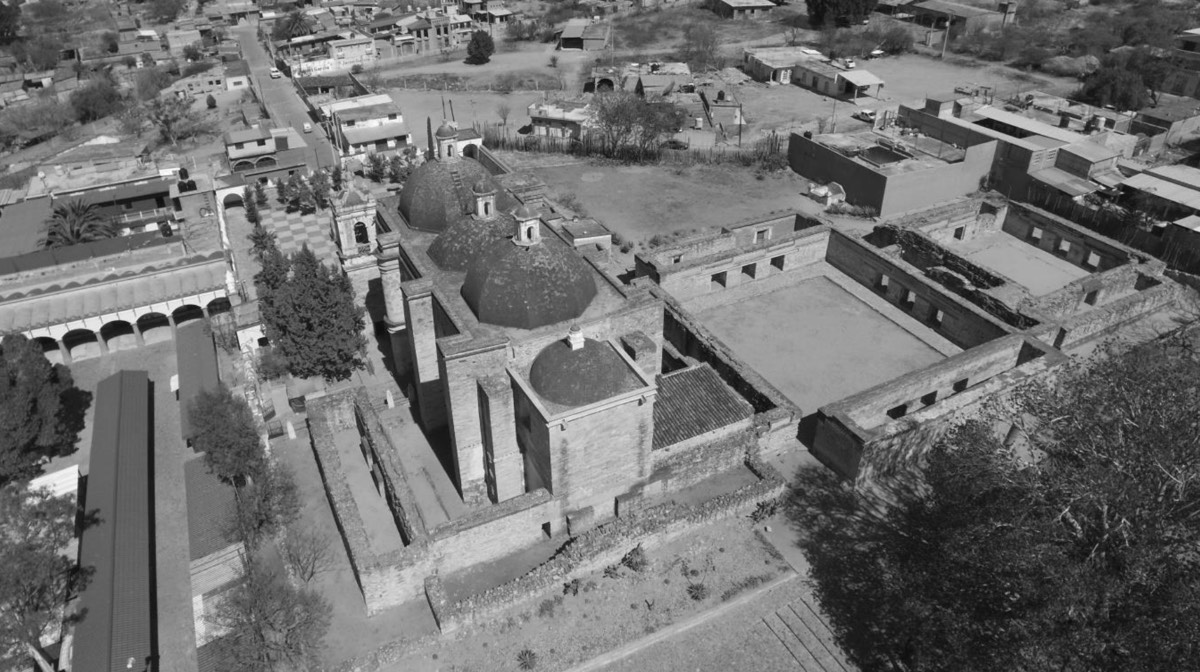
pixel 126 329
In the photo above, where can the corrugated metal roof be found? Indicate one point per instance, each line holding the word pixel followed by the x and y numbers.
pixel 357 135
pixel 574 29
pixel 1029 125
pixel 197 364
pixel 1170 191
pixel 861 78
pixel 952 8
pixel 1064 181
pixel 118 605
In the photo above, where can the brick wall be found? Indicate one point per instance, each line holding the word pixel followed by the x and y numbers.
pixel 599 456
pixel 689 462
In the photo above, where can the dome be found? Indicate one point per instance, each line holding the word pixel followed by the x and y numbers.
pixel 524 212
pixel 578 377
pixel 431 201
pixel 529 286
pixel 464 241
pixel 445 131
pixel 481 187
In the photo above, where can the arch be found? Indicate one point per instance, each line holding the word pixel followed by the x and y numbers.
pixel 604 84
pixel 50 348
pixel 119 335
pixel 219 305
pixel 187 313
pixel 233 200
pixel 81 344
pixel 243 166
pixel 471 152
pixel 154 327
pixel 266 162
pixel 361 235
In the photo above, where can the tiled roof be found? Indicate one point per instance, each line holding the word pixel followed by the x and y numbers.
pixel 694 401
pixel 431 201
pixel 209 508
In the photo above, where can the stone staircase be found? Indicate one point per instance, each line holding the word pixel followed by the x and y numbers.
pixel 802 632
pixel 465 198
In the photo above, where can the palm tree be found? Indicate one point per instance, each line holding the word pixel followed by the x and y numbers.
pixel 76 222
pixel 294 24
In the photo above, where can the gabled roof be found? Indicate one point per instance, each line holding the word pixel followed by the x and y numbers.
pixel 196 358
pixel 952 8
pixel 694 401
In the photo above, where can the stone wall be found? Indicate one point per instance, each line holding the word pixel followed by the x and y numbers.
pixel 1104 320
pixel 906 287
pixel 493 531
pixel 1048 232
pixel 689 462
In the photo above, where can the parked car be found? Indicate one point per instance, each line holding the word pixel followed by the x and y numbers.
pixel 307 127
pixel 673 144
pixel 865 115
pixel 275 73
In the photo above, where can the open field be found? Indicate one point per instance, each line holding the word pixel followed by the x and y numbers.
pixel 817 342
pixel 469 107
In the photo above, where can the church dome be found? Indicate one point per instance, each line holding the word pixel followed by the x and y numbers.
pixel 466 240
pixel 529 286
pixel 432 200
pixel 445 131
pixel 579 377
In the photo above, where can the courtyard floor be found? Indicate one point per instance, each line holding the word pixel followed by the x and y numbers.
pixel 818 342
pixel 1033 268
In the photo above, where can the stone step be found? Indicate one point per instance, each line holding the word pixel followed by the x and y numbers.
pixel 788 640
pixel 809 639
pixel 815 621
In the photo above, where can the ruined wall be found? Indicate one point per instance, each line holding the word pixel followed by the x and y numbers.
pixel 494 531
pixel 689 462
pixel 904 286
pixel 1047 231
pixel 1104 320
pixel 601 455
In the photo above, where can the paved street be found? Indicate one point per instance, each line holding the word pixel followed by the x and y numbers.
pixel 282 100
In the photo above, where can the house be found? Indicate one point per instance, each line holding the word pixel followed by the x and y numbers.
pixel 743 9
pixel 367 124
pixel 265 154
pixel 559 119
pixel 198 85
pixel 583 35
pixel 326 52
pixel 1171 121
pixel 833 77
pixel 941 14
pixel 237 75
pixel 775 64
pixel 127 29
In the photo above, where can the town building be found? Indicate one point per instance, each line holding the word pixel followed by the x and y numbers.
pixel 584 35
pixel 367 124
pixel 743 9
pixel 326 52
pixel 560 118
pixel 262 153
pixel 942 14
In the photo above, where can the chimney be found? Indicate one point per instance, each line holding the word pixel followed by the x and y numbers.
pixel 575 337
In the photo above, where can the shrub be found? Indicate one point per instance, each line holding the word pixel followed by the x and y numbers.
pixel 546 608
pixel 636 559
pixel 744 585
pixel 658 240
pixel 612 572
pixel 571 587
pixel 765 510
pixel 210 102
pixel 617 239
pixel 271 364
pixel 626 247
pixel 554 61
pixel 697 591
pixel 356 69
pixel 526 659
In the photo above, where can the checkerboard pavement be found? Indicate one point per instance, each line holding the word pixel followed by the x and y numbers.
pixel 293 229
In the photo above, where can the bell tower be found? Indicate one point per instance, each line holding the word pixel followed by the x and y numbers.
pixel 485 200
pixel 529 227
pixel 446 138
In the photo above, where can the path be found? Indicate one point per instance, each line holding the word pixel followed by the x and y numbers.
pixel 282 101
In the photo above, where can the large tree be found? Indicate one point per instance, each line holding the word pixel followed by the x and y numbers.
pixel 96 100
pixel 294 24
pixel 1115 86
pixel 271 625
pixel 225 431
pixel 10 20
pixel 41 411
pixel 174 118
pixel 625 122
pixel 38 577
pixel 838 12
pixel 480 48
pixel 312 319
pixel 76 222
pixel 1077 550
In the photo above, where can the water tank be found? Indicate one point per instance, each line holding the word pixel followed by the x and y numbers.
pixel 183 173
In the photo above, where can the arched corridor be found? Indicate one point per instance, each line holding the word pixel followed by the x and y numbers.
pixel 119 335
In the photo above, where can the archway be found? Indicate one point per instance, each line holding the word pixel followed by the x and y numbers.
pixel 233 200
pixel 603 85
pixel 119 335
pixel 266 162
pixel 50 348
pixel 471 152
pixel 81 344
pixel 242 166
pixel 155 328
pixel 187 313
pixel 219 305
pixel 361 235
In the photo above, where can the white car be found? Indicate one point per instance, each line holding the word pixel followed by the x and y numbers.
pixel 865 115
pixel 308 127
pixel 275 73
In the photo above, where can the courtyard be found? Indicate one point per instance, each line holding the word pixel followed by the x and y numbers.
pixel 823 338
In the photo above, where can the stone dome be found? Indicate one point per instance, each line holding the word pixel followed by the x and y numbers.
pixel 529 286
pixel 431 199
pixel 463 242
pixel 524 212
pixel 445 131
pixel 579 377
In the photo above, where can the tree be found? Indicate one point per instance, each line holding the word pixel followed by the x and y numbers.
pixel 307 552
pixel 294 24
pixel 376 167
pixel 321 186
pixel 265 505
pixel 1121 88
pixel 174 118
pixel 41 411
pixel 480 48
pixel 503 110
pixel 1080 552
pixel 38 578
pixel 625 121
pixel 701 47
pixel 110 42
pixel 271 625
pixel 225 432
pixel 337 177
pixel 132 120
pixel 1152 69
pixel 10 20
pixel 165 11
pixel 76 222
pixel 192 52
pixel 210 102
pixel 313 321
pixel 839 12
pixel 96 100
pixel 297 193
pixel 260 192
pixel 251 206
pixel 398 169
pixel 40 53
pixel 149 82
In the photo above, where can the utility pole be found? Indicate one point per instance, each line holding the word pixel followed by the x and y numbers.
pixel 945 39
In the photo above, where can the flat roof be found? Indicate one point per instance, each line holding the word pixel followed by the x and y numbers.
pixel 357 135
pixel 1072 185
pixel 1091 151
pixel 22 225
pixel 574 29
pixel 196 359
pixel 1026 124
pixel 746 4
pixel 118 604
pixel 861 78
pixel 1176 193
pixel 952 8
pixel 246 135
pixel 376 111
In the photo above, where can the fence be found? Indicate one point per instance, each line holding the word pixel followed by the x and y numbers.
pixel 768 152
